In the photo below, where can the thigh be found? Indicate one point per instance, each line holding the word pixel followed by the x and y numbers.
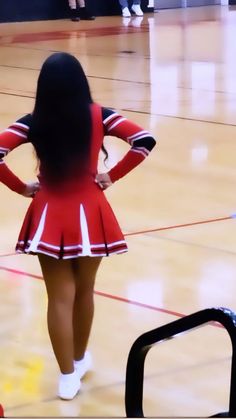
pixel 58 276
pixel 85 270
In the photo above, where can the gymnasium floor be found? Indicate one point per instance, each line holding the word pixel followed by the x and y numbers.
pixel 173 72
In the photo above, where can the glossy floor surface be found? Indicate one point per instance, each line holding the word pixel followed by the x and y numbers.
pixel 173 72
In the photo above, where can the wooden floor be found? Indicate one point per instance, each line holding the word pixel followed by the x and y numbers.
pixel 174 72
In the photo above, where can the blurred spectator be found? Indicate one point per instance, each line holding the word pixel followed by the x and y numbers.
pixel 79 11
pixel 135 8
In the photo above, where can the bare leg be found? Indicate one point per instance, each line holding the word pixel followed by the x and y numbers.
pixel 61 290
pixel 85 269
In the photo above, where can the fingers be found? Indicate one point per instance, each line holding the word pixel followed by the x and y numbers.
pixel 35 187
pixel 31 189
pixel 103 180
pixel 103 185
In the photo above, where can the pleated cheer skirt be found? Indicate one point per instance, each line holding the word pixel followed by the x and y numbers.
pixel 71 223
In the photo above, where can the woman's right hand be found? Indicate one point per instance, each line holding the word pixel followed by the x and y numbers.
pixel 31 189
pixel 103 180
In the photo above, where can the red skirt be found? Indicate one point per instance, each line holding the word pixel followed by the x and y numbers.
pixel 71 223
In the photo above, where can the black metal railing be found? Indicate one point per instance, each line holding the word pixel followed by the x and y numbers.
pixel 140 348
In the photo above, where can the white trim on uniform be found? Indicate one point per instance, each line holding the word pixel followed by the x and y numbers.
pixel 48 254
pixel 79 254
pixel 140 151
pixel 118 251
pixel 51 246
pixel 116 123
pixel 16 132
pixel 86 247
pixel 19 124
pixel 110 117
pixel 4 149
pixel 132 137
pixel 97 246
pixel 36 239
pixel 115 243
pixel 75 246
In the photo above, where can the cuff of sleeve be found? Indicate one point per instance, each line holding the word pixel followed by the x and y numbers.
pixel 112 176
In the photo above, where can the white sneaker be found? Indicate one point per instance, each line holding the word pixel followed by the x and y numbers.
pixel 126 12
pixel 69 385
pixel 84 365
pixel 137 9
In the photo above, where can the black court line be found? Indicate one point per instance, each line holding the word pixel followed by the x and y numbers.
pixel 145 83
pixel 16 95
pixel 10 45
pixel 18 67
pixel 179 117
pixel 144 112
pixel 91 77
pixel 172 239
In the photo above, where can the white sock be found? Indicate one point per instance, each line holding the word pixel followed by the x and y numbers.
pixel 67 377
pixel 83 365
pixel 78 363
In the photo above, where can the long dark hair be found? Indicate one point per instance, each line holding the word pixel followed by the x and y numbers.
pixel 61 120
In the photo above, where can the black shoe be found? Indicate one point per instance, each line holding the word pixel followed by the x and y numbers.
pixel 84 14
pixel 75 15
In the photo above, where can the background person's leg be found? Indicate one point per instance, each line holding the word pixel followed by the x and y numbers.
pixel 74 10
pixel 84 13
pixel 124 8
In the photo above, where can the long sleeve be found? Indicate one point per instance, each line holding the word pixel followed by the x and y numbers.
pixel 11 138
pixel 141 142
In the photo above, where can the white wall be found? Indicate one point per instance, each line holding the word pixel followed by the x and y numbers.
pixel 161 4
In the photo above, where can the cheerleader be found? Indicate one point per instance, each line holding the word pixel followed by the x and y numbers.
pixel 69 224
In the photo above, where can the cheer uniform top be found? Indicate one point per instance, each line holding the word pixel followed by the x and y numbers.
pixel 74 218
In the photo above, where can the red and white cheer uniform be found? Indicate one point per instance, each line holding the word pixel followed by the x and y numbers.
pixel 74 218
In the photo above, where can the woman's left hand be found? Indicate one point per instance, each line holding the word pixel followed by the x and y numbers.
pixel 103 180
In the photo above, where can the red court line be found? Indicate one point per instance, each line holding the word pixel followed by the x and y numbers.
pixel 111 296
pixel 102 294
pixel 213 220
pixel 135 233
pixel 73 34
pixel 18 272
